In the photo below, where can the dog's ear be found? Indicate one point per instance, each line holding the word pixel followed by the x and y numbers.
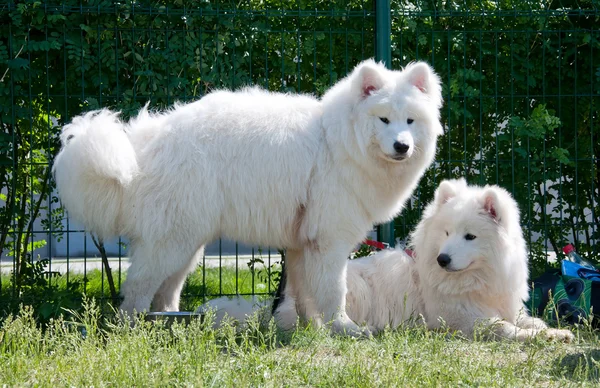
pixel 447 190
pixel 491 203
pixel 367 78
pixel 422 76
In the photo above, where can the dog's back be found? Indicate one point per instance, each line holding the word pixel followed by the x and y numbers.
pixel 238 309
pixel 382 289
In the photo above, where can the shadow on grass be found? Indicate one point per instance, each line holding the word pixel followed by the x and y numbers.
pixel 582 364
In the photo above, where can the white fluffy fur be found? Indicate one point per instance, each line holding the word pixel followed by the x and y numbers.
pixel 273 169
pixel 486 282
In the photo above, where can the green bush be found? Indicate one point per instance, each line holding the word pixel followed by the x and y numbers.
pixel 522 97
pixel 521 88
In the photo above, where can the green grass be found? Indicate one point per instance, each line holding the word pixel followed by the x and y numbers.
pixel 150 354
pixel 197 289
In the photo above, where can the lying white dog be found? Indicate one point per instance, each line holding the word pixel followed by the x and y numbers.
pixel 469 270
pixel 273 169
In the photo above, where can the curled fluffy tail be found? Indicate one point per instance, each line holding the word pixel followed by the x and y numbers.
pixel 94 167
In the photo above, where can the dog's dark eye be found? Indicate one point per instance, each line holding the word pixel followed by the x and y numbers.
pixel 409 121
pixel 470 237
pixel 447 233
pixel 70 137
pixel 384 120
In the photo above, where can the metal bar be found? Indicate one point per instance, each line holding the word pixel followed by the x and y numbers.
pixel 383 53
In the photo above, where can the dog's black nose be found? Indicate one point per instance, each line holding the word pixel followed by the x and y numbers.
pixel 401 148
pixel 444 260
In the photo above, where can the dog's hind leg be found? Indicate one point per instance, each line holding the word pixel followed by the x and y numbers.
pixel 294 300
pixel 284 304
pixel 168 295
pixel 152 264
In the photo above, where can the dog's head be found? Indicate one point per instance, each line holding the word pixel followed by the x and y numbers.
pixel 470 239
pixel 400 108
pixel 393 115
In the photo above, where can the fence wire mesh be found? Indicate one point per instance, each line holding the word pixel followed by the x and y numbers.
pixel 521 83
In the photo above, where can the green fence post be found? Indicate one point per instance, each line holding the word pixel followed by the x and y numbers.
pixel 383 53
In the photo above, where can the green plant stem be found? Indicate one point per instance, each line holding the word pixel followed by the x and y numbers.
pixel 111 284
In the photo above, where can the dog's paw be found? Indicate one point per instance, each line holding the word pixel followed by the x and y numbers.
pixel 350 329
pixel 558 335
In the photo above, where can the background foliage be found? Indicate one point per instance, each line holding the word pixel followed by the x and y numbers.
pixel 522 92
pixel 521 89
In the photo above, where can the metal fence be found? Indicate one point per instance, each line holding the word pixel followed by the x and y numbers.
pixel 521 89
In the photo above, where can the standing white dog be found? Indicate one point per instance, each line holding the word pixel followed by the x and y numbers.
pixel 470 268
pixel 278 170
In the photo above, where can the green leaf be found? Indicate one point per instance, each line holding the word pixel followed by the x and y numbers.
pixel 46 310
pixel 562 155
pixel 18 63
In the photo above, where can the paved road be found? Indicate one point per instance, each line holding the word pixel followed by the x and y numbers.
pixel 79 265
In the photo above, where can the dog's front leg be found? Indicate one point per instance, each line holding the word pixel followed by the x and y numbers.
pixel 295 302
pixel 325 279
pixel 500 329
pixel 539 327
pixel 507 330
pixel 496 328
